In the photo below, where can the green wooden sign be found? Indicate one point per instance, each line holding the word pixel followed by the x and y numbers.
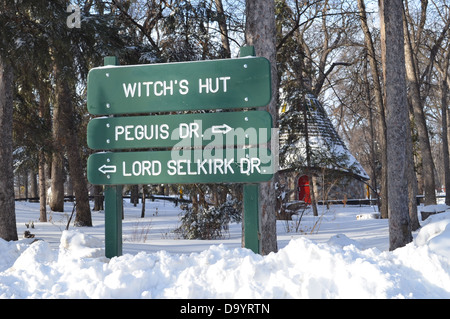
pixel 213 165
pixel 203 129
pixel 206 148
pixel 200 85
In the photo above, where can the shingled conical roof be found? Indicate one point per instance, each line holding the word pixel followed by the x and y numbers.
pixel 327 149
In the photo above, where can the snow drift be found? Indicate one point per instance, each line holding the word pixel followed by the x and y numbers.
pixel 339 268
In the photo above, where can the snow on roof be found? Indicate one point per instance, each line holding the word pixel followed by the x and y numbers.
pixel 328 150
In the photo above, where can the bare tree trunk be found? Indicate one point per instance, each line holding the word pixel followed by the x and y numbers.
pixel 221 19
pixel 44 114
pixel 8 228
pixel 33 184
pixel 412 180
pixel 42 189
pixel 444 107
pixel 69 188
pixel 56 202
pixel 70 143
pixel 144 191
pixel 373 157
pixel 380 105
pixel 98 197
pixel 419 119
pixel 25 182
pixel 261 33
pixel 393 59
pixel 134 195
pixel 83 217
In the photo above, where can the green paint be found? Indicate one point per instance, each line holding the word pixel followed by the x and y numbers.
pixel 215 165
pixel 113 221
pixel 251 217
pixel 212 129
pixel 200 85
pixel 251 196
pixel 113 209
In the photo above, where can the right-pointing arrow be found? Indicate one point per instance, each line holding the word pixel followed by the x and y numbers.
pixel 224 128
pixel 107 169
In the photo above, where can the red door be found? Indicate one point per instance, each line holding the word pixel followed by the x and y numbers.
pixel 303 189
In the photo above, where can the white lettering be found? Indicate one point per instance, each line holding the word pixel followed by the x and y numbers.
pixel 143 168
pixel 139 132
pixel 191 309
pixel 211 88
pixel 228 166
pixel 179 167
pixel 188 130
pixel 74 19
pixel 218 163
pixel 250 165
pixel 127 133
pixel 224 80
pixel 129 90
pixel 184 130
pixel 124 170
pixel 147 84
pixel 211 85
pixel 255 164
pixel 164 88
pixel 171 165
pixel 247 308
pixel 202 86
pixel 184 89
pixel 160 92
pixel 137 167
pixel 119 131
pixel 168 88
pixel 206 167
pixel 228 308
pixel 164 131
pixel 156 167
pixel 146 165
pixel 201 166
pixel 189 172
pixel 194 129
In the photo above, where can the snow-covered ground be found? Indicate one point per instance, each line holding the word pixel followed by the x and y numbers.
pixel 334 256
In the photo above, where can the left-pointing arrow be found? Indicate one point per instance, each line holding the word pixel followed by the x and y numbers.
pixel 107 169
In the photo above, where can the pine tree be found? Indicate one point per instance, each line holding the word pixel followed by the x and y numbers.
pixel 43 46
pixel 8 230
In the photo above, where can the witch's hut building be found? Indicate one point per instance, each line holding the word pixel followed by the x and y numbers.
pixel 313 154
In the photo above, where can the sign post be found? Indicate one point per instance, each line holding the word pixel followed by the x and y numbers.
pixel 113 220
pixel 251 217
pixel 113 208
pixel 251 196
pixel 212 147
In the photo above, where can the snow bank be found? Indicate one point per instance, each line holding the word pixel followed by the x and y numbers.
pixel 302 269
pixel 429 210
pixel 436 234
pixel 433 208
